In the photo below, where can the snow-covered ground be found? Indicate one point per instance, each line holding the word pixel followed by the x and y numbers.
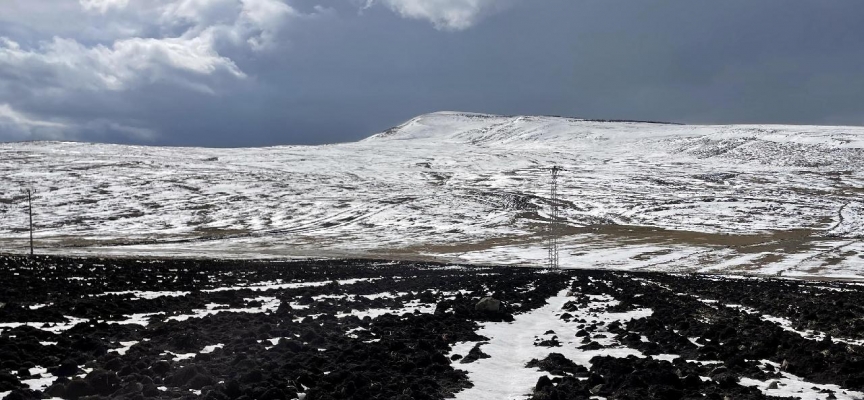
pixel 503 376
pixel 464 187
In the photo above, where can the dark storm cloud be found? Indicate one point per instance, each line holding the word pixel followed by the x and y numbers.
pixel 302 72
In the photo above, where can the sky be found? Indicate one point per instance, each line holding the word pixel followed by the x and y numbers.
pixel 236 73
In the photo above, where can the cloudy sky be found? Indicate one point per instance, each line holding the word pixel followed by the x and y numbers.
pixel 264 72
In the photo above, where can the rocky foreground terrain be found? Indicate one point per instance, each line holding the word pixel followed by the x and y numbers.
pixel 345 329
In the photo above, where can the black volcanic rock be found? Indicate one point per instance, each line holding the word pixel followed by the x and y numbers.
pixel 557 364
pixel 474 354
pixel 320 342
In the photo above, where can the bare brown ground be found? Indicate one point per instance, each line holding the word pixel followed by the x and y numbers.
pixel 775 245
pixel 780 241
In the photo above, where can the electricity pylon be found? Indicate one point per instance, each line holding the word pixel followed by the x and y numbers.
pixel 29 193
pixel 553 218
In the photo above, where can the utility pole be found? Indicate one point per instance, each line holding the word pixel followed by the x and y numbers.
pixel 30 211
pixel 553 218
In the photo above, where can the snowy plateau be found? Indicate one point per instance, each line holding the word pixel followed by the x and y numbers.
pixel 464 188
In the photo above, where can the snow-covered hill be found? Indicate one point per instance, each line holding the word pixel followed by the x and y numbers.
pixel 469 187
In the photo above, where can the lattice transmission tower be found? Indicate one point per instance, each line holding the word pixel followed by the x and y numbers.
pixel 553 228
pixel 29 193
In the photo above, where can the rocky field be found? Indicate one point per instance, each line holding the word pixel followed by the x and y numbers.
pixel 346 329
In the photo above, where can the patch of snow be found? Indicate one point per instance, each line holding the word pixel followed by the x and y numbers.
pixel 40 379
pixel 787 326
pixel 511 346
pixel 666 357
pixel 178 356
pixel 53 327
pixel 135 319
pixel 269 304
pixel 147 295
pixel 793 386
pixel 126 346
pixel 263 286
pixel 409 307
pixel 212 348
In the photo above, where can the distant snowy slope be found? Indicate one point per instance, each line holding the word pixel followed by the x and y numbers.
pixel 768 144
pixel 467 187
pixel 495 129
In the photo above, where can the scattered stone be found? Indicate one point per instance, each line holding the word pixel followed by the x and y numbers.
pixel 557 364
pixel 488 304
pixel 474 355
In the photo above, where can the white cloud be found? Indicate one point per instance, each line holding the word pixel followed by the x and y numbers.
pixel 243 22
pixel 124 65
pixel 15 125
pixel 103 6
pixel 59 52
pixel 176 41
pixel 267 18
pixel 17 118
pixel 453 15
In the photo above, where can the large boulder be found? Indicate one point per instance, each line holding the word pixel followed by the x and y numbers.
pixel 103 382
pixel 488 304
pixel 193 377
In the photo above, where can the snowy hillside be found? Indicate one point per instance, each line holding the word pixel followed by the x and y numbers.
pixel 469 187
